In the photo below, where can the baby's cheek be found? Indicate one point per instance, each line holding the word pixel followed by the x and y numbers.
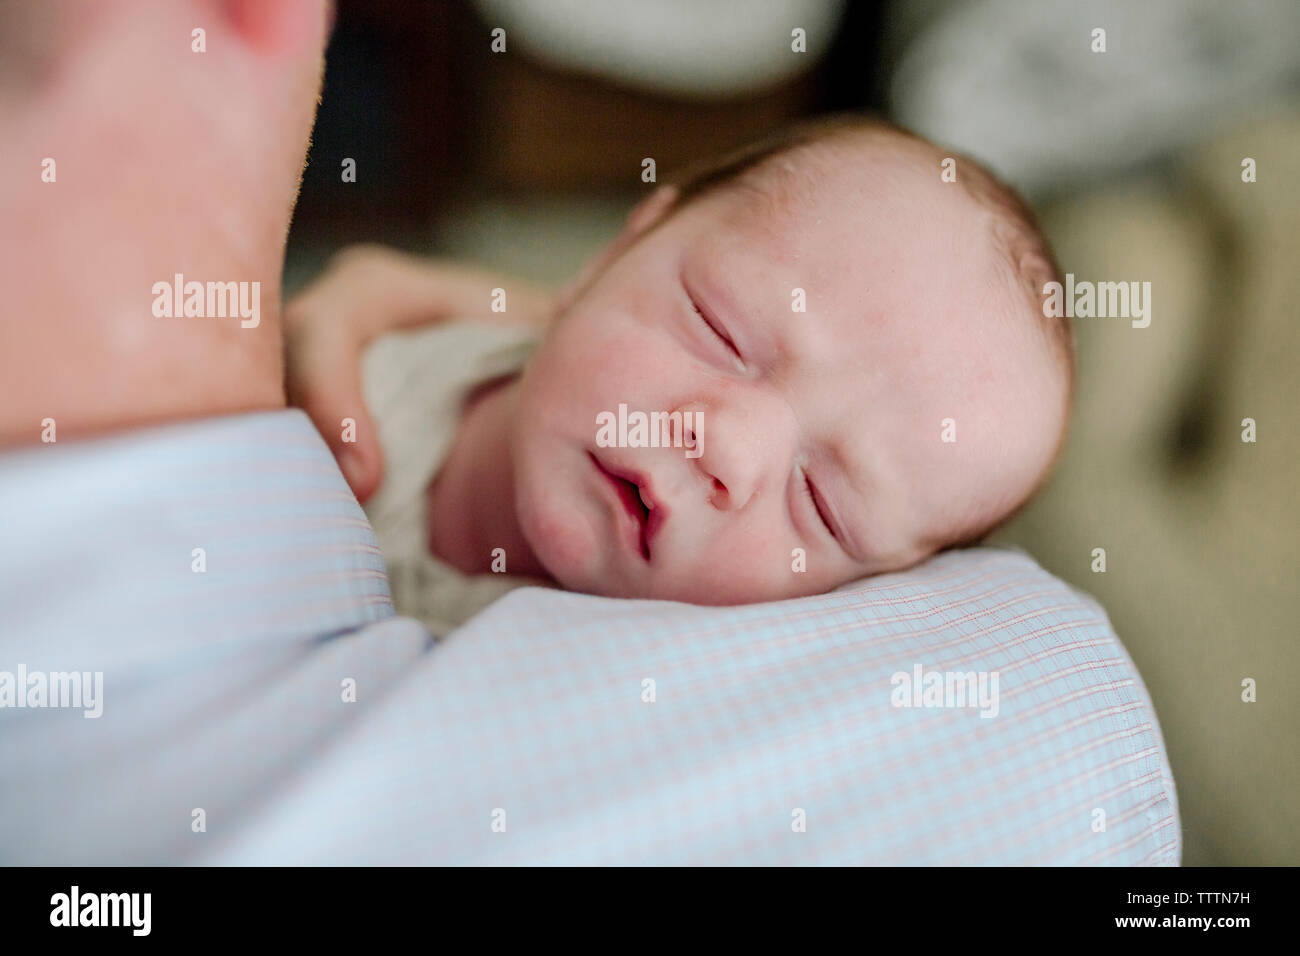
pixel 568 553
pixel 559 535
pixel 624 360
pixel 610 348
pixel 580 377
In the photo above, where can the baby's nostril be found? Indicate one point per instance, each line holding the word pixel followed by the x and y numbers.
pixel 719 497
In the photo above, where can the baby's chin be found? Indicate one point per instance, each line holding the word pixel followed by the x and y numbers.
pixel 568 559
pixel 577 560
pixel 563 543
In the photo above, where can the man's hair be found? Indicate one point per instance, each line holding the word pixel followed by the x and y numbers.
pixel 1015 231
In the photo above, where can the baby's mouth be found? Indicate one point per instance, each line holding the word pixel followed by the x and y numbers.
pixel 632 491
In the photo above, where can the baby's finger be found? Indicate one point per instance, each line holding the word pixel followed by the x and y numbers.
pixel 361 462
pixel 325 381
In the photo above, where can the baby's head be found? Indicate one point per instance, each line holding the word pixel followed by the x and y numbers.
pixel 857 344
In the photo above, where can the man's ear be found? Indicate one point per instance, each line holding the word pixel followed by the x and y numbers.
pixel 643 217
pixel 279 26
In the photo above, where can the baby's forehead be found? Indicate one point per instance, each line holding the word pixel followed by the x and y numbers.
pixel 861 227
pixel 877 159
pixel 870 273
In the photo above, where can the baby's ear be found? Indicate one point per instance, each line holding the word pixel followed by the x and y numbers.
pixel 650 210
pixel 643 216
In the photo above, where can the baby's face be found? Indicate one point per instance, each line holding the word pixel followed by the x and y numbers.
pixel 907 324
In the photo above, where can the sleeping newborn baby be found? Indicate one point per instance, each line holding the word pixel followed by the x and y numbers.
pixel 846 351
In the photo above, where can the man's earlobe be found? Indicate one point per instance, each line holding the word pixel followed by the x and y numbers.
pixel 279 26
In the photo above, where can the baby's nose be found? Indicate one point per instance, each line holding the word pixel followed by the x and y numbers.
pixel 729 449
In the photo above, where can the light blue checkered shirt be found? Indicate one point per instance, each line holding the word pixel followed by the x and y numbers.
pixel 554 727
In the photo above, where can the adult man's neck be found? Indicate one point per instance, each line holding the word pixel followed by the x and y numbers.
pixel 130 201
pixel 92 364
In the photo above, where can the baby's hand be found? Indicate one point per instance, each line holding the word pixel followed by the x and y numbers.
pixel 325 331
pixel 365 291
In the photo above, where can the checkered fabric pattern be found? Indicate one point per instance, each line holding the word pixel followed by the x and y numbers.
pixel 553 728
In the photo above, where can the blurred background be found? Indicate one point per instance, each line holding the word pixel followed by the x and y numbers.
pixel 527 160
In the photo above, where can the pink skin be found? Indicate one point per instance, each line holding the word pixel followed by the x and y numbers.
pixel 910 320
pixel 202 183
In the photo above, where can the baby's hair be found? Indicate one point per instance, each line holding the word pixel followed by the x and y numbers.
pixel 1015 229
